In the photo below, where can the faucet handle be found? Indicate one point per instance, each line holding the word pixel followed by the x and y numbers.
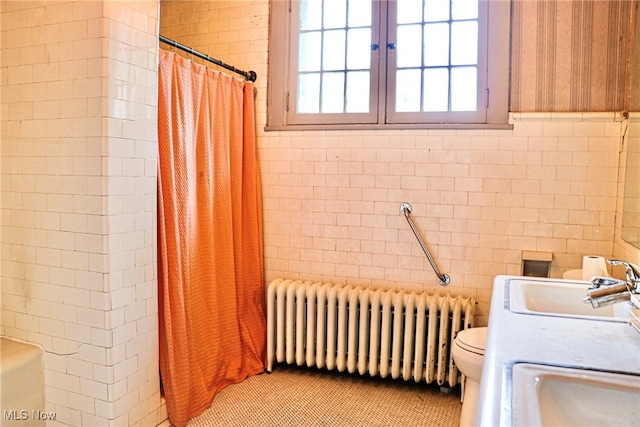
pixel 632 270
pixel 606 282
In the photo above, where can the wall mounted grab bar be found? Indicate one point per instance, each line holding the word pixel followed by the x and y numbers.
pixel 443 279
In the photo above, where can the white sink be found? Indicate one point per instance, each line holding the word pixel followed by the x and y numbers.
pixel 556 396
pixel 561 299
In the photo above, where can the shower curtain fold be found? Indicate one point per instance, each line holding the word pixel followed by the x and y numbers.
pixel 210 244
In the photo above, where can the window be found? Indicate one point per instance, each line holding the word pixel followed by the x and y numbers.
pixel 423 63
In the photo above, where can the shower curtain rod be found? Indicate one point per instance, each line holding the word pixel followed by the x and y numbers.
pixel 249 75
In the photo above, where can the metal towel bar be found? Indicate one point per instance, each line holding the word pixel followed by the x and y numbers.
pixel 443 279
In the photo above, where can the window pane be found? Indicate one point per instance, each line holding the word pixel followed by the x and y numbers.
pixel 332 93
pixel 436 10
pixel 308 58
pixel 308 93
pixel 436 89
pixel 359 13
pixel 464 43
pixel 310 14
pixel 333 50
pixel 436 44
pixel 407 90
pixel 335 14
pixel 358 92
pixel 359 49
pixel 464 9
pixel 409 46
pixel 463 89
pixel 409 11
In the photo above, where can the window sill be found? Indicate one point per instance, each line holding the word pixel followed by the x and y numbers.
pixel 425 126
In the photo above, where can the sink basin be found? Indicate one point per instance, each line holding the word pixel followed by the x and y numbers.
pixel 561 299
pixel 556 396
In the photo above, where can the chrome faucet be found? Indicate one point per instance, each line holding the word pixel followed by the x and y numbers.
pixel 607 290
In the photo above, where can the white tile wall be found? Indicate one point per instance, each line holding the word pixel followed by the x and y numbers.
pixel 78 203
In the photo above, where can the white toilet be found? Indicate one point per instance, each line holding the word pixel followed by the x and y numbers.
pixel 468 354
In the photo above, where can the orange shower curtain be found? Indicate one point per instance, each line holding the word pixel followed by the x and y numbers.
pixel 210 252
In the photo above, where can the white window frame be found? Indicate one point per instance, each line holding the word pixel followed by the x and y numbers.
pixel 493 95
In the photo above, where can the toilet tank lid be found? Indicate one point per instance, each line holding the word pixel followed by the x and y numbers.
pixel 473 339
